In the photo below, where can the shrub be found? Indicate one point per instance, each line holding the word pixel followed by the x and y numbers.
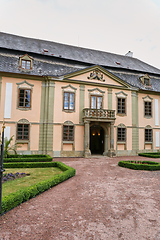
pixel 151 155
pixel 45 158
pixel 144 165
pixel 14 199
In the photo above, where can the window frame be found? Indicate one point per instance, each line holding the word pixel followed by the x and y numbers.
pixel 25 61
pixel 68 109
pixel 69 138
pixel 148 109
pixel 121 140
pixel 149 140
pixel 100 96
pixel 23 139
pixel 120 111
pixel 18 104
pixel 147 100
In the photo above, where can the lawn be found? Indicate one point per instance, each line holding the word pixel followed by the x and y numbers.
pixel 36 175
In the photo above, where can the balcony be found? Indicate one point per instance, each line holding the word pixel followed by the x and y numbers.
pixel 98 114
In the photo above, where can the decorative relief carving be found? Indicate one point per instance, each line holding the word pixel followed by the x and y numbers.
pixel 96 75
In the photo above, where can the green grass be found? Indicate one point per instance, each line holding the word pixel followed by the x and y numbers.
pixel 36 175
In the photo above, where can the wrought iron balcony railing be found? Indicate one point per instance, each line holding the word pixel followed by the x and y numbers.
pixel 98 113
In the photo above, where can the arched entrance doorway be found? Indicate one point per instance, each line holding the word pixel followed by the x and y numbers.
pixel 96 139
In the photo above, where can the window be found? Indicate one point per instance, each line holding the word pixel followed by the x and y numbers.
pixel 69 101
pixel 148 135
pixel 24 100
pixel 68 133
pixel 121 134
pixel 96 102
pixel 121 105
pixel 146 81
pixel 148 109
pixel 22 131
pixel 26 64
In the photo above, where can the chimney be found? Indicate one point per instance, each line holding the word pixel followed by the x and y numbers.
pixel 129 54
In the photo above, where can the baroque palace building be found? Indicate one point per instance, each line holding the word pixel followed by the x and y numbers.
pixel 69 101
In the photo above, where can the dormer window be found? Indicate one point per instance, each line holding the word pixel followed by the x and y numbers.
pixel 146 80
pixel 25 62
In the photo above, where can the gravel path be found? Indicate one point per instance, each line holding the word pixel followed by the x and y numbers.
pixel 103 201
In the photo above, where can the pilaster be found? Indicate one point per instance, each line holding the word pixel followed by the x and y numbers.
pixel 81 102
pixel 135 129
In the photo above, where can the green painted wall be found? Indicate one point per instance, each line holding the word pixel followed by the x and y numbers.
pixel 81 102
pixel 109 98
pixel 46 117
pixel 0 87
pixel 135 129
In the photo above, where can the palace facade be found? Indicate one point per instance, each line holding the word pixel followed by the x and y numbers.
pixel 69 101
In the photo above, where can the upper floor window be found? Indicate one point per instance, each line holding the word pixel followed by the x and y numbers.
pixel 24 95
pixel 148 109
pixel 121 105
pixel 69 101
pixel 147 106
pixel 69 98
pixel 146 80
pixel 26 64
pixel 22 131
pixel 96 102
pixel 121 134
pixel 68 133
pixel 24 98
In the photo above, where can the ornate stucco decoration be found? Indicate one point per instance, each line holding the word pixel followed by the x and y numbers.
pixel 96 75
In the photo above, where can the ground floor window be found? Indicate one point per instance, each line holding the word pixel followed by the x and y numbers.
pixel 148 135
pixel 121 134
pixel 22 131
pixel 68 133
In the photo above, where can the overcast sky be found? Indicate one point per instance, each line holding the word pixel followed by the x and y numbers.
pixel 115 26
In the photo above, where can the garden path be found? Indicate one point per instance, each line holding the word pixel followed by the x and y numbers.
pixel 102 202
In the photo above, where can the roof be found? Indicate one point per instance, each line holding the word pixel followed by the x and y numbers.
pixel 88 56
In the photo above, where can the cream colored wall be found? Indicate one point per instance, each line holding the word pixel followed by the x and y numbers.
pixel 57 137
pixel 59 115
pixel 141 139
pixel 79 138
pixel 87 96
pixel 32 115
pixel 143 121
pixel 34 137
pixel 84 77
pixel 126 119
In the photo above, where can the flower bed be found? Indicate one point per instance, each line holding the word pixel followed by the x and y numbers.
pixel 14 199
pixel 140 165
pixel 10 176
pixel 151 155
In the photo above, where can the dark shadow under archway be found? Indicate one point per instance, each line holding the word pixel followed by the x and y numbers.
pixel 96 139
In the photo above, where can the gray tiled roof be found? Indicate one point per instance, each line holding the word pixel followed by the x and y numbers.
pixel 134 80
pixel 64 51
pixel 10 63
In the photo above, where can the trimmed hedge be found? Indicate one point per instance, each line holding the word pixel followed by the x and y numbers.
pixel 14 199
pixel 151 155
pixel 26 156
pixel 140 165
pixel 47 158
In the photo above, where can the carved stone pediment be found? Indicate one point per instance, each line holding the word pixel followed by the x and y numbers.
pixel 96 75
